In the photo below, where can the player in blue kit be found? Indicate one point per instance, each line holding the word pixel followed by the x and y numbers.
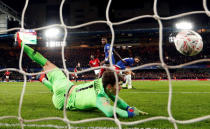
pixel 127 63
pixel 106 51
pixel 106 62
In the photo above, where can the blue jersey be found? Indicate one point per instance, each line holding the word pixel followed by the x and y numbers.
pixel 106 51
pixel 122 65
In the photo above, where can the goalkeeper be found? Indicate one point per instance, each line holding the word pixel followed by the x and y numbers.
pixel 94 94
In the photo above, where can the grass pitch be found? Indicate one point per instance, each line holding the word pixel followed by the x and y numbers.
pixel 190 99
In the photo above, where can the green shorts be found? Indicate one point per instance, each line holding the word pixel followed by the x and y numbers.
pixel 60 85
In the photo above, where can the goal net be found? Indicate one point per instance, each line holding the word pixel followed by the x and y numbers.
pixel 24 122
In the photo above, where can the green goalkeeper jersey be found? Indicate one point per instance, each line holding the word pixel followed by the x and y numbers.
pixel 92 95
pixel 84 96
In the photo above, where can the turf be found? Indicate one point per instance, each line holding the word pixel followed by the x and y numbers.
pixel 190 99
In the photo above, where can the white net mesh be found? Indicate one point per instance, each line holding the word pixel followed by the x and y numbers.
pixel 170 118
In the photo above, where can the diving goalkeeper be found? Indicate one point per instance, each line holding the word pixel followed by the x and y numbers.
pixel 94 94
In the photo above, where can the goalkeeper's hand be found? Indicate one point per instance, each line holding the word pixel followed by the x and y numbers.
pixel 133 111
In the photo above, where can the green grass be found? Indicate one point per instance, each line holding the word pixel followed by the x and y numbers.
pixel 190 99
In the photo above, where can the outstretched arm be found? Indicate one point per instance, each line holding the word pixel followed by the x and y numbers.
pixel 118 55
pixel 120 103
pixel 123 105
pixel 102 103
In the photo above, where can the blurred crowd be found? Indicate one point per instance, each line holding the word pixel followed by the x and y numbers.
pixel 148 54
pixel 175 74
pixel 10 58
pixel 139 74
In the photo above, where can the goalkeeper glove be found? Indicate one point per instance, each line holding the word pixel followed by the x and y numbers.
pixel 133 111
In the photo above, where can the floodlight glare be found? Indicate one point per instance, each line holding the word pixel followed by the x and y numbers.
pixel 184 25
pixel 52 33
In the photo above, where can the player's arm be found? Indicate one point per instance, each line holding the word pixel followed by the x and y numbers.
pixel 132 73
pixel 120 103
pixel 102 103
pixel 118 55
pixel 123 105
pixel 102 62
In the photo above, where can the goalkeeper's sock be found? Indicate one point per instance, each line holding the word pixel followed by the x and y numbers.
pixel 35 56
pixel 48 84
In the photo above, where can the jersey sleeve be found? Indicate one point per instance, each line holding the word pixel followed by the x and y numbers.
pixel 103 104
pixel 120 103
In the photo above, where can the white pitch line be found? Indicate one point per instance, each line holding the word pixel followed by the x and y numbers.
pixel 33 125
pixel 6 92
pixel 135 92
pixel 55 126
pixel 168 92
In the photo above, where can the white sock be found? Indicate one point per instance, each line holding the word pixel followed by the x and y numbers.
pixel 126 77
pixel 129 81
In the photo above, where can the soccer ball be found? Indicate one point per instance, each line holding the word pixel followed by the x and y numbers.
pixel 188 42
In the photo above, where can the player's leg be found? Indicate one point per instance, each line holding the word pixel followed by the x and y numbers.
pixel 38 58
pixel 124 85
pixel 129 81
pixel 42 78
pixel 97 71
pixel 47 65
pixel 76 77
pixel 58 83
pixel 7 78
pixel 57 79
pixel 34 55
pixel 101 72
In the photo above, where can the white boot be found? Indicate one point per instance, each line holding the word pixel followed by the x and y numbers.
pixel 129 86
pixel 124 85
